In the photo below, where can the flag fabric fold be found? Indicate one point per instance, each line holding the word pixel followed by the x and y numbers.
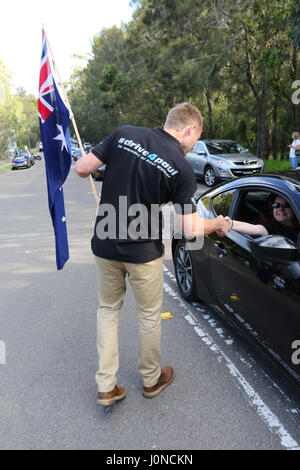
pixel 54 120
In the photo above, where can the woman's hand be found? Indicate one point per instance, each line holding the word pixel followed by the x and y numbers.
pixel 222 233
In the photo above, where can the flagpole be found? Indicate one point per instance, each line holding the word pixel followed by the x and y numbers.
pixel 71 113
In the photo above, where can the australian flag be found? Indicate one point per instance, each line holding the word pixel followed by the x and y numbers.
pixel 54 121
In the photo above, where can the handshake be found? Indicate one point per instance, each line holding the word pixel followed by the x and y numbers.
pixel 224 225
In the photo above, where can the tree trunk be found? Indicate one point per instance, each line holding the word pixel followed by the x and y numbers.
pixel 258 135
pixel 294 106
pixel 210 113
pixel 264 133
pixel 274 131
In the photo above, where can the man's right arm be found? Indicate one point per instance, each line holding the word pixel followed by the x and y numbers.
pixel 192 225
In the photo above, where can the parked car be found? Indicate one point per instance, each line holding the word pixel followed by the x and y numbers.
pixel 222 160
pixel 87 146
pixel 76 154
pixel 30 156
pixel 21 161
pixel 253 283
pixel 99 173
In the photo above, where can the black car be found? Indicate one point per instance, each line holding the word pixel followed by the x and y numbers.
pixel 99 173
pixel 254 283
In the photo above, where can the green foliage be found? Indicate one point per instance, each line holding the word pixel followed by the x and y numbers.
pixel 294 19
pixel 277 165
pixel 18 112
pixel 234 59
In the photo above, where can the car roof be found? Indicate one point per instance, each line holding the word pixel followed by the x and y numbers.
pixel 281 182
pixel 288 181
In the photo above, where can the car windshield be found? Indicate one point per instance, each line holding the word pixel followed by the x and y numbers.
pixel 224 147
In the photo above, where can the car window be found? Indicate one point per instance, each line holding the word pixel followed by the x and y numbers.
pixel 254 206
pixel 222 202
pixel 224 147
pixel 199 147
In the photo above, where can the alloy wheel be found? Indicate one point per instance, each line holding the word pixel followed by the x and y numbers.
pixel 209 177
pixel 184 270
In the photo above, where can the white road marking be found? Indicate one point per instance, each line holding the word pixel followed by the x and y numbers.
pixel 254 399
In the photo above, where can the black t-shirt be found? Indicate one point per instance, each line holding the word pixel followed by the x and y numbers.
pixel 277 228
pixel 145 168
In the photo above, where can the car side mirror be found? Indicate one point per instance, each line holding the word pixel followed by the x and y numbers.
pixel 274 248
pixel 202 152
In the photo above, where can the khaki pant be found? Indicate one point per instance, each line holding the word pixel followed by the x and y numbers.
pixel 146 281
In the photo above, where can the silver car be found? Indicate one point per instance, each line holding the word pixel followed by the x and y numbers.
pixel 222 160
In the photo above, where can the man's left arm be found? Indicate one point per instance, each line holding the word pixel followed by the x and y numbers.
pixel 87 164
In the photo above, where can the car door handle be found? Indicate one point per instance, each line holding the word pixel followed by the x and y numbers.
pixel 278 282
pixel 220 249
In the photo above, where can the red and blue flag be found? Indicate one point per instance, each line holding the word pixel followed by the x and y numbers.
pixel 54 118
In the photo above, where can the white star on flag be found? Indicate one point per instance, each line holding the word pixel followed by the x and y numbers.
pixel 61 137
pixel 63 219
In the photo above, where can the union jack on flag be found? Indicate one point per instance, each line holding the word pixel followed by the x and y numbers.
pixel 54 120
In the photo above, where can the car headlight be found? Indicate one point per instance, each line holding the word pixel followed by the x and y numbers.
pixel 221 162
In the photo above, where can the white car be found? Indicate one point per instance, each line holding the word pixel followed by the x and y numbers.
pixel 222 160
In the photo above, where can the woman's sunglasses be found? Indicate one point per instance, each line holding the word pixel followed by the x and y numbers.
pixel 283 205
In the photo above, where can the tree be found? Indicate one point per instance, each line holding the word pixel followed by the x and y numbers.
pixel 234 59
pixel 27 125
pixel 7 114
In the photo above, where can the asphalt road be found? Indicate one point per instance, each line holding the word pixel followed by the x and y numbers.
pixel 224 395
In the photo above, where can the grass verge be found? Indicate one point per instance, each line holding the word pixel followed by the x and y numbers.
pixel 5 168
pixel 275 165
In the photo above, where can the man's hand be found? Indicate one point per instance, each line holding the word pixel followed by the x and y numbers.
pixel 223 225
pixel 194 226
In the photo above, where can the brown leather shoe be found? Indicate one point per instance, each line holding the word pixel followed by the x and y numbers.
pixel 166 377
pixel 109 398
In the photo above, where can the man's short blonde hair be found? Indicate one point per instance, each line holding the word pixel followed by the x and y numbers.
pixel 296 135
pixel 182 116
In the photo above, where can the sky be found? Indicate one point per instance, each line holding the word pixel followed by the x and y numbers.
pixel 70 25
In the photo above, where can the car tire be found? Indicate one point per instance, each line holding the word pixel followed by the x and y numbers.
pixel 209 176
pixel 184 272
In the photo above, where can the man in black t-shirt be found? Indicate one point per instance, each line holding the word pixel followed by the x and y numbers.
pixel 145 168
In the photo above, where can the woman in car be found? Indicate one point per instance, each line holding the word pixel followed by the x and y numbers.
pixel 283 222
